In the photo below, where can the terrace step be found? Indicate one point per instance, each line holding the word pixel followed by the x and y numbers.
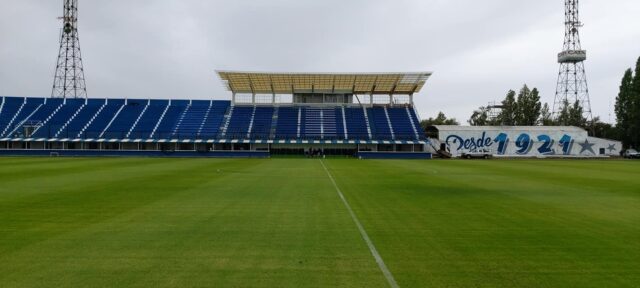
pixel 92 119
pixel 112 119
pixel 344 123
pixel 366 118
pixel 206 117
pixel 227 120
pixel 164 113
pixel 179 123
pixel 14 117
pixel 386 114
pixel 2 105
pixel 48 118
pixel 70 119
pixel 274 123
pixel 299 121
pixel 253 117
pixel 25 120
pixel 413 124
pixel 138 119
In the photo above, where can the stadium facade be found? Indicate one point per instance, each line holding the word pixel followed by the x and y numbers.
pixel 368 115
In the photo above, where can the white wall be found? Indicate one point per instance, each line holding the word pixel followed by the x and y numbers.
pixel 527 141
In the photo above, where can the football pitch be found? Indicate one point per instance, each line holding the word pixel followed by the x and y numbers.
pixel 132 222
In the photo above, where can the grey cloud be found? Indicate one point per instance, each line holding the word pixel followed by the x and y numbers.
pixel 170 49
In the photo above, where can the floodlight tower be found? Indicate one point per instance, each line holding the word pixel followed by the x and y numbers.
pixel 69 77
pixel 572 79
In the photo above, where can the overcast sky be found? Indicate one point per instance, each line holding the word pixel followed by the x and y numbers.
pixel 478 50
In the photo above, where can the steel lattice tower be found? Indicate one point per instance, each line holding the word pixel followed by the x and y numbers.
pixel 572 79
pixel 69 77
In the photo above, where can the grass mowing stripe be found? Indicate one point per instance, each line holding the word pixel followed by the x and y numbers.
pixel 372 248
pixel 180 223
pixel 146 222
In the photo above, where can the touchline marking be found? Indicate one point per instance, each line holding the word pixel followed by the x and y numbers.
pixel 374 251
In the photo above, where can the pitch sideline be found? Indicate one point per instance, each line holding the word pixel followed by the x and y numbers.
pixel 363 233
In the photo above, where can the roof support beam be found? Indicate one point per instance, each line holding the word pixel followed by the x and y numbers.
pixel 333 84
pixel 253 91
pixel 415 88
pixel 273 91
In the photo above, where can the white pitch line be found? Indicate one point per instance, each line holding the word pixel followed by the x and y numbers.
pixel 372 248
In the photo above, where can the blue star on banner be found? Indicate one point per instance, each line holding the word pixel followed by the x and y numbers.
pixel 586 146
pixel 612 148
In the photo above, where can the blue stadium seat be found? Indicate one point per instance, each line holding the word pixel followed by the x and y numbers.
pixel 26 110
pixel 123 121
pixel 303 123
pixel 76 123
pixel 401 123
pixel 287 125
pixel 200 119
pixel 191 120
pixel 261 125
pixel 421 134
pixel 340 135
pixel 356 124
pixel 98 122
pixel 168 123
pixel 312 123
pixel 239 124
pixel 148 120
pixel 58 118
pixel 380 127
pixel 8 110
pixel 214 119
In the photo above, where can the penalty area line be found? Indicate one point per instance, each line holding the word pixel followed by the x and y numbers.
pixel 363 233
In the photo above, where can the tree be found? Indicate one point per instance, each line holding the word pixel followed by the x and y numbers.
pixel 572 115
pixel 624 108
pixel 480 117
pixel 604 130
pixel 563 115
pixel 526 110
pixel 528 106
pixel 441 119
pixel 635 108
pixel 576 114
pixel 509 111
pixel 523 111
pixel 546 118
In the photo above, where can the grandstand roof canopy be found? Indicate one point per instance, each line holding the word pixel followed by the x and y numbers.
pixel 348 83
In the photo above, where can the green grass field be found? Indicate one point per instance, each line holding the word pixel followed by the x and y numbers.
pixel 281 223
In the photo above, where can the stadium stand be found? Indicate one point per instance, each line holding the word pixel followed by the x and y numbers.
pixel 8 111
pixel 99 122
pixel 211 126
pixel 181 119
pixel 239 122
pixel 379 122
pixel 356 124
pixel 125 119
pixel 148 119
pixel 28 107
pixel 58 118
pixel 261 123
pixel 287 123
pixel 401 123
pixel 336 120
pixel 166 125
pixel 191 119
pixel 76 123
